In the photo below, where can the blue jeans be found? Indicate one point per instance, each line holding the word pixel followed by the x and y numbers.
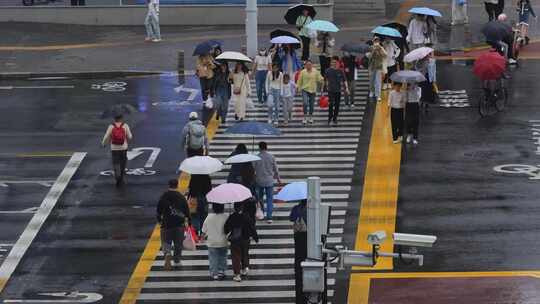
pixel 274 102
pixel 221 99
pixel 260 80
pixel 309 102
pixel 269 192
pixel 217 260
pixel 152 26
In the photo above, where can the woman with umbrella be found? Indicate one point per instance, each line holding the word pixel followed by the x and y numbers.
pixel 418 28
pixel 222 89
pixel 241 89
pixel 205 72
pixel 428 67
pixel 392 53
pixel 376 59
pixel 301 22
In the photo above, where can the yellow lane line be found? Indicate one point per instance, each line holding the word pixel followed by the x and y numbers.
pixel 379 198
pixel 136 282
pixel 459 274
pixel 44 154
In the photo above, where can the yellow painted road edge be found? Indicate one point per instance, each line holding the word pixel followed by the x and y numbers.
pixel 137 279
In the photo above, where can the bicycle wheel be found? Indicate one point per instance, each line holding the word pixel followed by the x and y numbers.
pixel 483 106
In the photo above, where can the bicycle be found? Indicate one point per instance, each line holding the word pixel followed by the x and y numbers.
pixel 495 95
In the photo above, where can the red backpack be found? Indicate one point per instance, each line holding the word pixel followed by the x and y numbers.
pixel 118 134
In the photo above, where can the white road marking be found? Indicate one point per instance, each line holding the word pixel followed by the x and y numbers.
pixel 44 183
pixel 192 92
pixel 27 210
pixel 25 240
pixel 63 297
pixel 36 87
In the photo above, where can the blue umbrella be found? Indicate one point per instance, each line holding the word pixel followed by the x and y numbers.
pixel 296 191
pixel 323 26
pixel 425 11
pixel 253 128
pixel 386 31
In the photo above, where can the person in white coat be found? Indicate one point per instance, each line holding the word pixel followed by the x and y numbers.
pixel 241 89
pixel 152 21
pixel 392 53
pixel 418 31
pixel 459 12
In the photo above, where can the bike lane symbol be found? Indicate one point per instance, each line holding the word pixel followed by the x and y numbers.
pixel 532 171
pixel 111 86
pixel 134 153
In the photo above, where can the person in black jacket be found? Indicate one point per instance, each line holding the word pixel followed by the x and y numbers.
pixel 234 173
pixel 241 228
pixel 172 216
pixel 199 186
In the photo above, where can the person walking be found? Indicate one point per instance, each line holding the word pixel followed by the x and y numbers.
pixel 240 229
pixel 172 216
pixel 234 172
pixel 274 85
pixel 241 89
pixel 417 32
pixel 298 217
pixel 78 2
pixel 307 83
pixel 491 9
pixel 334 82
pixel 412 112
pixel 205 72
pixel 199 186
pixel 260 69
pixel 288 59
pixel 459 12
pixel 431 33
pixel 216 241
pixel 222 89
pixel 151 21
pixel 349 62
pixel 301 22
pixel 324 46
pixel 118 135
pixel 288 91
pixel 428 68
pixel 390 61
pixel 266 170
pixel 194 138
pixel 375 68
pixel 524 9
pixel 396 101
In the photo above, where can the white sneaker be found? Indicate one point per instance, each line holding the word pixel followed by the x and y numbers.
pixel 371 94
pixel 311 120
pixel 156 40
pixel 304 120
pixel 244 271
pixel 512 61
pixel 352 105
pixel 415 142
pixel 237 278
pixel 409 138
pixel 269 121
pixel 379 99
pixel 396 141
pixel 269 221
pixel 215 277
pixel 400 138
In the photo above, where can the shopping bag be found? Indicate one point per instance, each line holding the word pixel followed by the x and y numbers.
pixel 193 233
pixel 323 102
pixel 259 214
pixel 189 243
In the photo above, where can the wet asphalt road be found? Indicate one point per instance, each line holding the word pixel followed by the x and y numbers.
pixel 95 235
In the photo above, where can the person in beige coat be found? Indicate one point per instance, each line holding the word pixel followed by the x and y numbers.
pixel 241 90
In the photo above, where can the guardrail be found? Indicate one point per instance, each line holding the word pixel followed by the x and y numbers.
pixel 135 14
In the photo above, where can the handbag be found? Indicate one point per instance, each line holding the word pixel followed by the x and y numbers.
pixel 192 204
pixel 238 91
pixel 259 214
pixel 323 102
pixel 189 241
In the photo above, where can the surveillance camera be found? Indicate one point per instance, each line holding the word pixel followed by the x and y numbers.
pixel 416 240
pixel 377 237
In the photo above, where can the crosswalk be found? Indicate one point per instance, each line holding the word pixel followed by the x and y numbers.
pixel 454 99
pixel 301 151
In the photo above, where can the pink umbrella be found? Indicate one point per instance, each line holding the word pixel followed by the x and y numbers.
pixel 228 194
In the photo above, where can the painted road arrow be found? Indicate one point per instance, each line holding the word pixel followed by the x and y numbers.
pixel 192 92
pixel 62 297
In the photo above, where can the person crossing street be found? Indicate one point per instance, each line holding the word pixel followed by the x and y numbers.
pixel 118 135
pixel 153 32
pixel 266 170
pixel 334 82
pixel 194 138
pixel 307 83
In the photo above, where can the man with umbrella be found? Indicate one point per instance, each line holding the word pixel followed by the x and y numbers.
pixel 301 23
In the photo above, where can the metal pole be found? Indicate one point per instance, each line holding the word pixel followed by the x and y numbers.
pixel 181 67
pixel 251 27
pixel 314 250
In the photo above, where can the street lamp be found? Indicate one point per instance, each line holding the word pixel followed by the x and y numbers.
pixel 251 27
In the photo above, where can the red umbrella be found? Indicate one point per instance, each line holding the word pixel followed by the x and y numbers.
pixel 489 66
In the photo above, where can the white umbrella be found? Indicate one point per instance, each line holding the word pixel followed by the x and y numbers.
pixel 201 165
pixel 284 40
pixel 242 158
pixel 233 56
pixel 417 54
pixel 228 194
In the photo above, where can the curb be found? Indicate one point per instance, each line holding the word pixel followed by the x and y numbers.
pixel 79 75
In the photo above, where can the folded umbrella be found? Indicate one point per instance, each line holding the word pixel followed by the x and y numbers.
pixel 496 31
pixel 386 31
pixel 233 56
pixel 295 191
pixel 356 48
pixel 417 54
pixel 297 10
pixel 228 194
pixel 408 76
pixel 242 158
pixel 323 26
pixel 284 40
pixel 489 66
pixel 200 165
pixel 425 11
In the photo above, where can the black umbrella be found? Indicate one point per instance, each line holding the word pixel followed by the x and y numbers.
pixel 204 48
pixel 356 48
pixel 297 10
pixel 280 32
pixel 497 31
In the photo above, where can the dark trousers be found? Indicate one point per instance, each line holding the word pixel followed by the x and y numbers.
pixel 206 87
pixel 412 117
pixel 334 99
pixel 396 116
pixel 240 255
pixel 325 64
pixel 305 47
pixel 172 239
pixel 491 10
pixel 195 152
pixel 391 70
pixel 77 2
pixel 119 159
pixel 499 8
pixel 300 255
